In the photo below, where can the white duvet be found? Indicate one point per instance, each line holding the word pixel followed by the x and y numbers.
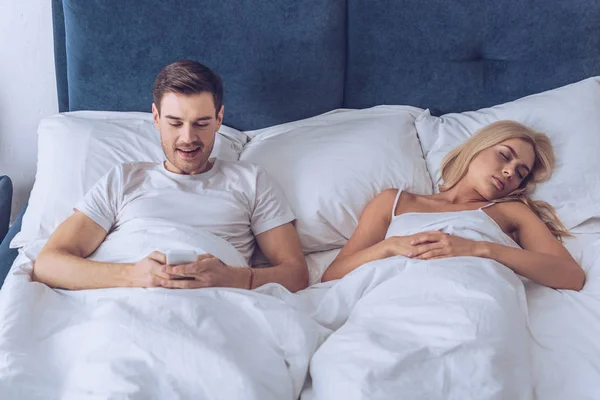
pixel 566 328
pixel 445 329
pixel 467 339
pixel 152 343
pixel 454 329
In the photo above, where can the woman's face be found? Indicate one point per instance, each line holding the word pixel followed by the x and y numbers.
pixel 499 170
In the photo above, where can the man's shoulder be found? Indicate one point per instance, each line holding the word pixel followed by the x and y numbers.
pixel 126 172
pixel 239 167
pixel 134 167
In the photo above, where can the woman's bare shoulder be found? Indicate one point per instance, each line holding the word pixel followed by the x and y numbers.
pixel 407 202
pixel 511 214
pixel 382 204
pixel 514 209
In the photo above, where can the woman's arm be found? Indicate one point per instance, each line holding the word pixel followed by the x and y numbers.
pixel 558 272
pixel 367 243
pixel 542 258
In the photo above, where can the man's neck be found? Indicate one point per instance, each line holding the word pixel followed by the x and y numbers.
pixel 207 166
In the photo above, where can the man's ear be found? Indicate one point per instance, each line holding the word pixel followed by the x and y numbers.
pixel 220 117
pixel 155 116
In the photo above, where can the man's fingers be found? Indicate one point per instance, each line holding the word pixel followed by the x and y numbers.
pixel 209 261
pixel 185 269
pixel 158 257
pixel 203 263
pixel 205 256
pixel 161 271
pixel 182 284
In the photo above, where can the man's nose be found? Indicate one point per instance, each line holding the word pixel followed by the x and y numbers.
pixel 186 134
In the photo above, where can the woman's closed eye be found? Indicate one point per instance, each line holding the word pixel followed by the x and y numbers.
pixel 508 158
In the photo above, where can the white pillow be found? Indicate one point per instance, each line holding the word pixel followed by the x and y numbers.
pixel 569 115
pixel 76 149
pixel 317 264
pixel 330 166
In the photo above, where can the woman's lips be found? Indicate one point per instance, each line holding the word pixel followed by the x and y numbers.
pixel 498 183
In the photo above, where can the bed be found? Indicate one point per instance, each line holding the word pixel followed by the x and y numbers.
pixel 393 83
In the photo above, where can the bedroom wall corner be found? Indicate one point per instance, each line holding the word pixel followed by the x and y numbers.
pixel 27 89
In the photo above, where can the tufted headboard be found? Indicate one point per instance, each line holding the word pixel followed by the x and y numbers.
pixel 285 60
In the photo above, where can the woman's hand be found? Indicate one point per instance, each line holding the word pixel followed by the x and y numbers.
pixel 406 246
pixel 433 245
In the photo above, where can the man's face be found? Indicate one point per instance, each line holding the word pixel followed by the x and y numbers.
pixel 188 126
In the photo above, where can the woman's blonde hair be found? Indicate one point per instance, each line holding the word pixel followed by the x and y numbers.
pixel 456 163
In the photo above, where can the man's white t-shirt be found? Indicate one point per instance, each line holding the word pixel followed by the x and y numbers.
pixel 233 200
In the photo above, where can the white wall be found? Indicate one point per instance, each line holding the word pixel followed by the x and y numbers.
pixel 27 89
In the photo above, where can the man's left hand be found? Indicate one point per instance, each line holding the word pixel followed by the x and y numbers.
pixel 206 271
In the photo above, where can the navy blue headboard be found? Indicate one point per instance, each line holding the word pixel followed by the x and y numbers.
pixel 458 55
pixel 280 60
pixel 287 59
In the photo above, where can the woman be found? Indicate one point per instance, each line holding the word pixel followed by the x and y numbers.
pixel 487 181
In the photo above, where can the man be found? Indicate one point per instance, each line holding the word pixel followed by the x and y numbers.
pixel 189 201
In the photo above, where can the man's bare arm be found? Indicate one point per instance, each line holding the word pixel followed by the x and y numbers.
pixel 282 248
pixel 62 262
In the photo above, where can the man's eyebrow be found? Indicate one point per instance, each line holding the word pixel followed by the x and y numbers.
pixel 179 119
pixel 514 153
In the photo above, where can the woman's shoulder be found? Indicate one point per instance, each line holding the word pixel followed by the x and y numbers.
pixel 402 195
pixel 395 201
pixel 383 205
pixel 514 208
pixel 511 214
pixel 387 196
pixel 388 193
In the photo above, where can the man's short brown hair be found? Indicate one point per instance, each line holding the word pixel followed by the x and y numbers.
pixel 188 77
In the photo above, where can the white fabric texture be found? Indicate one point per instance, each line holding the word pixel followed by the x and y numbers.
pixel 444 329
pixel 563 327
pixel 76 149
pixel 330 166
pixel 233 200
pixel 158 343
pixel 568 115
pixel 566 327
pixel 318 262
pixel 454 328
pixel 136 343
